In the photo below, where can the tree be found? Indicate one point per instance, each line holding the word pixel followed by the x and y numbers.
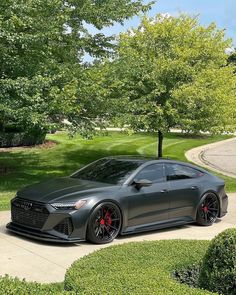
pixel 232 58
pixel 208 104
pixel 42 45
pixel 170 72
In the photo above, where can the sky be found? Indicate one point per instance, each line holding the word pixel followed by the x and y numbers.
pixel 222 12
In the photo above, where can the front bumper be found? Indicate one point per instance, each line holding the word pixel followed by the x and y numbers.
pixel 39 235
pixel 43 222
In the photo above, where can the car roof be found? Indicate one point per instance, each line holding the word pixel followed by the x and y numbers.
pixel 146 159
pixel 140 158
pixel 131 158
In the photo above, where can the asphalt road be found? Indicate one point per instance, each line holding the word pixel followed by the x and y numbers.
pixel 44 262
pixel 222 157
pixel 219 156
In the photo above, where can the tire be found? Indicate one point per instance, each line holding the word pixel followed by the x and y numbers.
pixel 208 210
pixel 104 223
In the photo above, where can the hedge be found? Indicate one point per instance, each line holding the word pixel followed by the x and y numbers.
pixel 131 268
pixel 14 286
pixel 30 137
pixel 135 268
pixel 218 270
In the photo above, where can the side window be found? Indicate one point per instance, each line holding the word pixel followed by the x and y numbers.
pixel 177 171
pixel 152 172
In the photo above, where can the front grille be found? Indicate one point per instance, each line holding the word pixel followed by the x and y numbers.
pixel 65 226
pixel 28 213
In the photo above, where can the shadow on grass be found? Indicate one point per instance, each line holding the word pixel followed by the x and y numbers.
pixel 26 169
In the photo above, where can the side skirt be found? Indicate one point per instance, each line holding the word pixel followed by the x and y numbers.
pixel 152 227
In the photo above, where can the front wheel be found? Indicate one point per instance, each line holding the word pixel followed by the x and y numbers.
pixel 208 210
pixel 104 223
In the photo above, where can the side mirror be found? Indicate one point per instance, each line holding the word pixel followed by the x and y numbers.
pixel 138 184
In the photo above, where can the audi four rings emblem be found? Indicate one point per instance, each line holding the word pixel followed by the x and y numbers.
pixel 24 205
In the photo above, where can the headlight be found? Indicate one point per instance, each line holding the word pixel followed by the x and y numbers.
pixel 69 205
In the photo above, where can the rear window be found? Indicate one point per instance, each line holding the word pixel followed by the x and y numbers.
pixel 177 171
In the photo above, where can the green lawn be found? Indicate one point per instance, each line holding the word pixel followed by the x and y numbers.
pixel 131 268
pixel 27 166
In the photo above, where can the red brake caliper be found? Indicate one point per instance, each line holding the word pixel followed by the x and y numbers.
pixel 102 221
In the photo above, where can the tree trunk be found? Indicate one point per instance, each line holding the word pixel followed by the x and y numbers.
pixel 160 142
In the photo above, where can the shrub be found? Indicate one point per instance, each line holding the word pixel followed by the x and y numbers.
pixel 13 286
pixel 33 136
pixel 136 268
pixel 189 275
pixel 218 270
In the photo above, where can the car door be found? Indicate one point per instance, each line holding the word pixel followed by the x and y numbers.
pixel 184 188
pixel 149 205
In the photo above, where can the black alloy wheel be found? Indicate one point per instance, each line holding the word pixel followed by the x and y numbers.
pixel 104 223
pixel 208 210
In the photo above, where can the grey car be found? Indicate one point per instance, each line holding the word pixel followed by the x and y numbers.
pixel 118 195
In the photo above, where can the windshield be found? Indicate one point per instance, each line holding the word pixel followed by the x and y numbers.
pixel 108 170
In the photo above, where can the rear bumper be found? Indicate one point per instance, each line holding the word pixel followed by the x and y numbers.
pixel 224 205
pixel 48 236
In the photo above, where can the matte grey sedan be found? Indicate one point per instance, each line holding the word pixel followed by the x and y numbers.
pixel 118 195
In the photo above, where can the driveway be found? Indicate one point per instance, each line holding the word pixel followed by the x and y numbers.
pixel 44 262
pixel 219 156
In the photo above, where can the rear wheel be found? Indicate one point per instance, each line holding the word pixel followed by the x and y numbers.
pixel 104 223
pixel 208 210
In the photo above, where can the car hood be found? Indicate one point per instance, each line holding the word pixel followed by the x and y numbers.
pixel 63 189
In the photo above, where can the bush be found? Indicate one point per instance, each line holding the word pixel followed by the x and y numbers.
pixel 136 268
pixel 13 286
pixel 189 275
pixel 218 270
pixel 29 137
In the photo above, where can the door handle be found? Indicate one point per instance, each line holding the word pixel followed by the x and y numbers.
pixel 164 191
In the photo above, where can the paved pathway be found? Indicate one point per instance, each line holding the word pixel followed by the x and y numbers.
pixel 44 262
pixel 219 156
